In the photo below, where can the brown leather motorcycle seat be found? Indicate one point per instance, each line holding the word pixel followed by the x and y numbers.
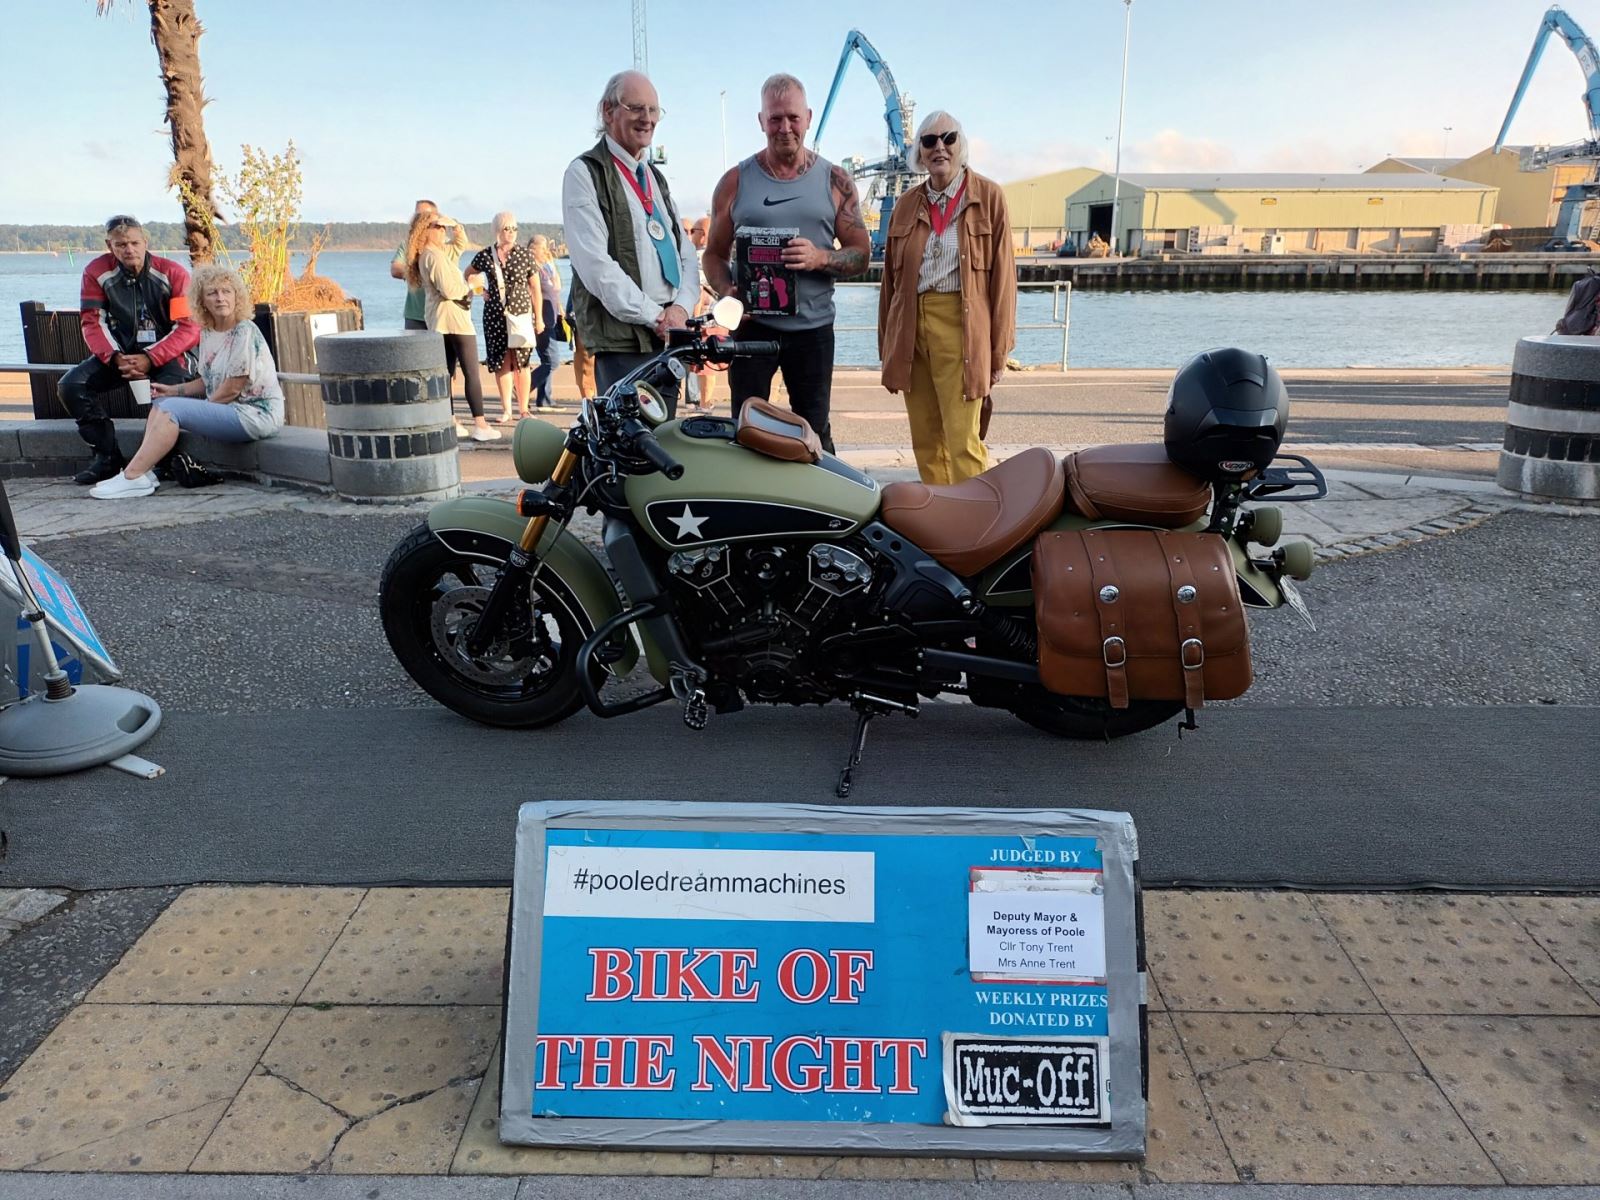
pixel 967 526
pixel 1135 483
pixel 777 433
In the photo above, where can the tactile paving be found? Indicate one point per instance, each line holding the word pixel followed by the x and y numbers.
pixel 130 1087
pixel 1568 927
pixel 1328 1099
pixel 271 1128
pixel 363 1060
pixel 419 1138
pixel 231 945
pixel 418 946
pixel 1528 1087
pixel 1248 952
pixel 1182 1143
pixel 482 1153
pixel 1450 954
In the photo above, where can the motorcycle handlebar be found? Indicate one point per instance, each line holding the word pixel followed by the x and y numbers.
pixel 746 349
pixel 653 452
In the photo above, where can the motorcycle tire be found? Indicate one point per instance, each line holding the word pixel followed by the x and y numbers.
pixel 1087 717
pixel 525 681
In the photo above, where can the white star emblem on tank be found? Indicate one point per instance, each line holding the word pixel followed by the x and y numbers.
pixel 688 524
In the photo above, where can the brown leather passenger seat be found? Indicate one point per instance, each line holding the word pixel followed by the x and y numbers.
pixel 967 526
pixel 1135 483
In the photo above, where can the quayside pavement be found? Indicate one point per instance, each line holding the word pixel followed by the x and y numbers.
pixel 340 1041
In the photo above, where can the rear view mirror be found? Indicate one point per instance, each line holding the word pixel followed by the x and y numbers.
pixel 728 312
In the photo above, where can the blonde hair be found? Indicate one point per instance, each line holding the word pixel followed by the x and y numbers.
pixel 208 275
pixel 502 219
pixel 416 243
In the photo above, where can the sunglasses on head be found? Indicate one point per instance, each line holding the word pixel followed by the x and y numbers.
pixel 930 140
pixel 116 223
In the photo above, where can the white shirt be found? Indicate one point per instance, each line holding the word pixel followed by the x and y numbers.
pixel 941 262
pixel 587 236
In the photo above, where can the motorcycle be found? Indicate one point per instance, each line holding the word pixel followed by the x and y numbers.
pixel 748 566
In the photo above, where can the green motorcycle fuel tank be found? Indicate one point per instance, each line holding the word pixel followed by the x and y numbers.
pixel 728 493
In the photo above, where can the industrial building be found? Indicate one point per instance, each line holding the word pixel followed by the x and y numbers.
pixel 1528 199
pixel 1280 213
pixel 1038 206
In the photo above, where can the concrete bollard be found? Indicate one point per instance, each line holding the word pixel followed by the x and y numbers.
pixel 391 435
pixel 1552 446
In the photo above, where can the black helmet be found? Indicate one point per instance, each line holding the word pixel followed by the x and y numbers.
pixel 1226 413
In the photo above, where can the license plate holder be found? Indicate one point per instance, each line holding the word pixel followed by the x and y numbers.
pixel 1293 598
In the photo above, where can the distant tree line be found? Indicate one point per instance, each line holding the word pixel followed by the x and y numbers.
pixel 169 236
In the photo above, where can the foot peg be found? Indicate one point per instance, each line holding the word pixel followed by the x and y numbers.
pixel 694 710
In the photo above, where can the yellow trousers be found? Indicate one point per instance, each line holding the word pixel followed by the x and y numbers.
pixel 944 423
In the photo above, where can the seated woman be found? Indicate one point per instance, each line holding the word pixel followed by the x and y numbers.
pixel 236 399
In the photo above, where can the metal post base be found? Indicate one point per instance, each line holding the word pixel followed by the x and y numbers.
pixel 94 725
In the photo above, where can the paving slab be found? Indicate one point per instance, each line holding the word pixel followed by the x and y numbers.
pixel 418 1138
pixel 1569 930
pixel 853 1167
pixel 242 945
pixel 119 1087
pixel 1328 1099
pixel 1249 952
pixel 366 1059
pixel 1450 954
pixel 1527 1087
pixel 271 1128
pixel 418 946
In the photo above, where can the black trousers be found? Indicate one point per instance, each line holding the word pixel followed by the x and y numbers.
pixel 413 323
pixel 83 391
pixel 805 356
pixel 610 366
pixel 462 348
pixel 547 358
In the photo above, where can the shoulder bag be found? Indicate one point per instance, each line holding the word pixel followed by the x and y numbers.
pixel 519 326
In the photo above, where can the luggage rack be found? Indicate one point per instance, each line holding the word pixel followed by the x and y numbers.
pixel 1285 482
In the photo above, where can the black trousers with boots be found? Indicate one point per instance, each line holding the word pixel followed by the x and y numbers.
pixel 83 391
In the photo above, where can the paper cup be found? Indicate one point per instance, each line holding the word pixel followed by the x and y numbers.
pixel 141 392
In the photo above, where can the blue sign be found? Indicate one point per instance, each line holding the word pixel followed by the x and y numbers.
pixel 839 979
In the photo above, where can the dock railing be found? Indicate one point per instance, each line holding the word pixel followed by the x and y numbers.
pixel 1060 314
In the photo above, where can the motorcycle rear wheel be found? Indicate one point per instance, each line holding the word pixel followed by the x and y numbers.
pixel 1087 717
pixel 428 600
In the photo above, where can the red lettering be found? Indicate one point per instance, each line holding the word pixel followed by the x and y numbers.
pixel 547 1060
pixel 811 1074
pixel 738 985
pixel 841 1065
pixel 850 969
pixel 649 1063
pixel 592 1061
pixel 613 977
pixel 726 1061
pixel 625 1062
pixel 821 979
pixel 900 1073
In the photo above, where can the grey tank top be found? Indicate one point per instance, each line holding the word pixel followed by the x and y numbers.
pixel 805 204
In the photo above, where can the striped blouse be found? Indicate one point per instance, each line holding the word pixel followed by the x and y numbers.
pixel 940 271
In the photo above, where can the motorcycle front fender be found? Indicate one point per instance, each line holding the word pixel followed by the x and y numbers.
pixel 481 528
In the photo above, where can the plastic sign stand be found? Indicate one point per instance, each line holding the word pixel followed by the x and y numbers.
pixel 802 978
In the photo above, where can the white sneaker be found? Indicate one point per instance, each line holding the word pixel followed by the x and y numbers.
pixel 461 432
pixel 483 433
pixel 120 487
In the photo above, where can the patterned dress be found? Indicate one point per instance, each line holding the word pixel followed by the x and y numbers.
pixel 518 266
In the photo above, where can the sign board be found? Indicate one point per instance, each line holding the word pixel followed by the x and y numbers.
pixel 77 646
pixel 865 980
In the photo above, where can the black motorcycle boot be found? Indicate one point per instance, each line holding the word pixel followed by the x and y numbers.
pixel 102 466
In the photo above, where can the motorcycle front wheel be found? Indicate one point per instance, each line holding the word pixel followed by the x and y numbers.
pixel 526 678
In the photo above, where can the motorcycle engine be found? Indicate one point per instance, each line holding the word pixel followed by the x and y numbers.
pixel 756 612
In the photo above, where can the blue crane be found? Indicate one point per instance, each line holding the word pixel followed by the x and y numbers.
pixel 1569 219
pixel 892 174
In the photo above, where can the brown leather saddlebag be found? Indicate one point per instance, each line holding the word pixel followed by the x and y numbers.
pixel 1139 614
pixel 1134 483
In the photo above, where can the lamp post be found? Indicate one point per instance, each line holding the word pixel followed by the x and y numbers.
pixel 1116 187
pixel 722 99
pixel 1447 130
pixel 1027 234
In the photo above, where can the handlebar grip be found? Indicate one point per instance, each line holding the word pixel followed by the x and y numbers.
pixel 749 349
pixel 653 452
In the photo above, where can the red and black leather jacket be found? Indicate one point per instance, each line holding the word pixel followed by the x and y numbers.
pixel 115 303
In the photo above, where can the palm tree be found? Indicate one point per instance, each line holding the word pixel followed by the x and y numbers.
pixel 176 30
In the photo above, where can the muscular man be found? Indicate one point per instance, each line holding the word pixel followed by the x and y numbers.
pixel 635 274
pixel 787 186
pixel 134 310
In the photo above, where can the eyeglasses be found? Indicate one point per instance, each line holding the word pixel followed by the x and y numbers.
pixel 512 227
pixel 930 140
pixel 436 225
pixel 654 112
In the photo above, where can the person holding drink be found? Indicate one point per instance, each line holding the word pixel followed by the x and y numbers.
pixel 433 263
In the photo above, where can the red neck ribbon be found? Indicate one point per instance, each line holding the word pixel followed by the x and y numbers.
pixel 645 198
pixel 941 215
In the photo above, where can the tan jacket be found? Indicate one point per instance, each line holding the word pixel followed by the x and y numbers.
pixel 443 284
pixel 988 286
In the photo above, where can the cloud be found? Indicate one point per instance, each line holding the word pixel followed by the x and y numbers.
pixel 98 151
pixel 1171 150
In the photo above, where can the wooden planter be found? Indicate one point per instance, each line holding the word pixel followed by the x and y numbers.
pixel 291 336
pixel 54 335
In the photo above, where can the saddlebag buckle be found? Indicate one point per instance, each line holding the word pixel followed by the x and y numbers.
pixel 1192 654
pixel 1114 646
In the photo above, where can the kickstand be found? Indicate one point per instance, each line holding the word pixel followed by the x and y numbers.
pixel 857 745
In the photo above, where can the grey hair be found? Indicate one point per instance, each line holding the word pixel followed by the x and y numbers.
pixel 914 159
pixel 777 85
pixel 613 96
pixel 502 219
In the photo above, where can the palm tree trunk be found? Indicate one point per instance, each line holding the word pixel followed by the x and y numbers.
pixel 176 30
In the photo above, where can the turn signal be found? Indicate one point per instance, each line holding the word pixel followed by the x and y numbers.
pixel 531 503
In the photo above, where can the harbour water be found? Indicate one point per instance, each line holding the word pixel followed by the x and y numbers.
pixel 1108 329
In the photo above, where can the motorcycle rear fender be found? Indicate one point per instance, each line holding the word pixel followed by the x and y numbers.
pixel 487 529
pixel 1009 584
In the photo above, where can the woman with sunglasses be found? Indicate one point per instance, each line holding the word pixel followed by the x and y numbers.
pixel 434 264
pixel 947 308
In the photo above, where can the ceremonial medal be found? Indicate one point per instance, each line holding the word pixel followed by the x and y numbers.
pixel 655 229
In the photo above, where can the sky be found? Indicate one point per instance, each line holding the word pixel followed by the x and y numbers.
pixel 481 104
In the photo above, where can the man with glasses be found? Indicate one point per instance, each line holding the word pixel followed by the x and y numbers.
pixel 416 310
pixel 134 310
pixel 787 187
pixel 635 273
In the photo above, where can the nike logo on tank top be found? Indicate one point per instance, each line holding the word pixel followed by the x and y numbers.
pixel 804 204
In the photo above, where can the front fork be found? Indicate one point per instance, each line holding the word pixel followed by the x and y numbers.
pixel 519 567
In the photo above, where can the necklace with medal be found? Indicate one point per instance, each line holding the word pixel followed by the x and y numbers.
pixel 652 226
pixel 941 215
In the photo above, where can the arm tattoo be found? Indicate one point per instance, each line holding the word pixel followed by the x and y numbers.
pixel 845 263
pixel 848 226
